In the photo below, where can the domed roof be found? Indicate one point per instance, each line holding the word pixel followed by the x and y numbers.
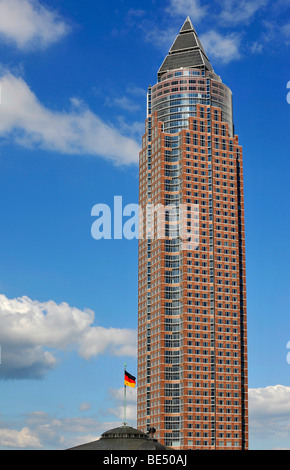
pixel 122 438
pixel 124 432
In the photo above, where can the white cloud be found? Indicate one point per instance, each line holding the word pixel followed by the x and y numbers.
pixel 163 37
pixel 96 340
pixel 32 333
pixel 131 404
pixel 40 430
pixel 225 48
pixel 23 439
pixel 119 412
pixel 242 11
pixel 270 402
pixel 118 394
pixel 159 38
pixel 76 131
pixel 269 416
pixel 123 102
pixel 269 422
pixel 192 8
pixel 28 24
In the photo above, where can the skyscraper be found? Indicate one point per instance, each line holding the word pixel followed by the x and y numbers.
pixel 192 331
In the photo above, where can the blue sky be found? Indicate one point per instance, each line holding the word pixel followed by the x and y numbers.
pixel 73 78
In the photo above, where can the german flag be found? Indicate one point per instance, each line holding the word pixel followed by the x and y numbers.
pixel 129 380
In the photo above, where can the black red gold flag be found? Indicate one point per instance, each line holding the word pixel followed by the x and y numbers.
pixel 129 380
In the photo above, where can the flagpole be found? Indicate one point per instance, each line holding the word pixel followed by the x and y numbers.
pixel 125 396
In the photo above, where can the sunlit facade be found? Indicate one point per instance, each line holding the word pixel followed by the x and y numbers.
pixel 192 330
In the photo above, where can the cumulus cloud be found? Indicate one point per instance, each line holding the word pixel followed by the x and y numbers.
pixel 40 430
pixel 76 131
pixel 32 333
pixel 27 24
pixel 225 48
pixel 19 439
pixel 271 401
pixel 269 416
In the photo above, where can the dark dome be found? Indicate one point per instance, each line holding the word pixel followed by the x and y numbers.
pixel 124 432
pixel 122 438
